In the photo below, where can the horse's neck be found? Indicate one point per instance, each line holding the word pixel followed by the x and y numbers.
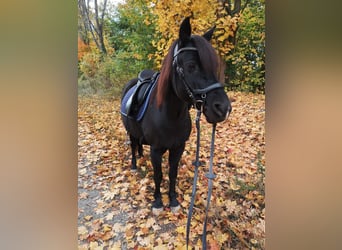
pixel 175 107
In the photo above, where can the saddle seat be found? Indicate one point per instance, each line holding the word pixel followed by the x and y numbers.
pixel 134 103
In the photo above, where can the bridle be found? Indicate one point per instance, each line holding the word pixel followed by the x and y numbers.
pixel 198 97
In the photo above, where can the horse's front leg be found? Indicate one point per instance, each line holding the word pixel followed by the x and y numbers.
pixel 156 157
pixel 174 156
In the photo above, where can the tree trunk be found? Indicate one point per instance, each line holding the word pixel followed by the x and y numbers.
pixel 99 24
pixel 222 69
pixel 95 28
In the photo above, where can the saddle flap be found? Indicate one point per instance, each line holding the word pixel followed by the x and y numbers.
pixel 142 92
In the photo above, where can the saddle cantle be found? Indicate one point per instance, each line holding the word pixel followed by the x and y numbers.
pixel 135 101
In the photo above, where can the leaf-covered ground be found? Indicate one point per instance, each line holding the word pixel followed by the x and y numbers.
pixel 115 203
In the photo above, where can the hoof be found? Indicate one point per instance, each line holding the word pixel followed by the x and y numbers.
pixel 175 209
pixel 157 203
pixel 157 206
pixel 157 211
pixel 174 202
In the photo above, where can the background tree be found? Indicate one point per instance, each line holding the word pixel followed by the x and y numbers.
pixel 204 13
pixel 116 43
pixel 228 16
pixel 246 62
pixel 168 16
pixel 131 37
pixel 127 40
pixel 227 24
pixel 92 21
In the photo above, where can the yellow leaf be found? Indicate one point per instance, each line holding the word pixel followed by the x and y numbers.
pixel 107 228
pixel 181 247
pixel 233 185
pixel 222 237
pixel 181 229
pixel 98 126
pixel 93 245
pixel 191 174
pixel 253 241
pixel 129 233
pixel 107 236
pixel 115 247
pixel 88 217
pixel 221 38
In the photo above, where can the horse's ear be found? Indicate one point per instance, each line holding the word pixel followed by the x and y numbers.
pixel 185 30
pixel 209 34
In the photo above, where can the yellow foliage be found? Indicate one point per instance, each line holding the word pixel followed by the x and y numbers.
pixel 205 14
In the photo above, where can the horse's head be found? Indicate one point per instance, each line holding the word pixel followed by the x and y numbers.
pixel 195 67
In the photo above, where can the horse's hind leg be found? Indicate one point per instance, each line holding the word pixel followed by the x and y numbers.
pixel 174 156
pixel 134 144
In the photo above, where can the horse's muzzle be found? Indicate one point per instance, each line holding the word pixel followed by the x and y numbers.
pixel 217 108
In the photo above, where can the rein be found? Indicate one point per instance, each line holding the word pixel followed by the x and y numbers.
pixel 210 175
pixel 198 97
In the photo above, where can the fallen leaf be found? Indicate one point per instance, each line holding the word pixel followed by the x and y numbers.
pixel 122 199
pixel 88 217
pixel 106 228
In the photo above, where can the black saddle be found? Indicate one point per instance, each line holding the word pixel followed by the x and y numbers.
pixel 146 78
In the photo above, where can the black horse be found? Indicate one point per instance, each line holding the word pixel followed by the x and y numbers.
pixel 188 77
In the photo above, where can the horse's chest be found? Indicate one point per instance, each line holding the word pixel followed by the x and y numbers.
pixel 177 131
pixel 168 133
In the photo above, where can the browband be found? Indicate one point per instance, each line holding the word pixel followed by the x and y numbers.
pixel 176 51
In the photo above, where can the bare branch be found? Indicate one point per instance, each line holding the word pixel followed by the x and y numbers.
pixel 245 5
pixel 237 7
pixel 103 10
pixel 95 27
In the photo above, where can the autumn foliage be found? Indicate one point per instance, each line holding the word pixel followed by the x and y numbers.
pixel 138 34
pixel 205 14
pixel 82 49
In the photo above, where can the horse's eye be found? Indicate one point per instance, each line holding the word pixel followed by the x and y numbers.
pixel 191 67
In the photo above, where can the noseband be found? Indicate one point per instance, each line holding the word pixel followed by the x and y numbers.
pixel 197 96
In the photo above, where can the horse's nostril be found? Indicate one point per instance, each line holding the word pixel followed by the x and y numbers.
pixel 219 109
